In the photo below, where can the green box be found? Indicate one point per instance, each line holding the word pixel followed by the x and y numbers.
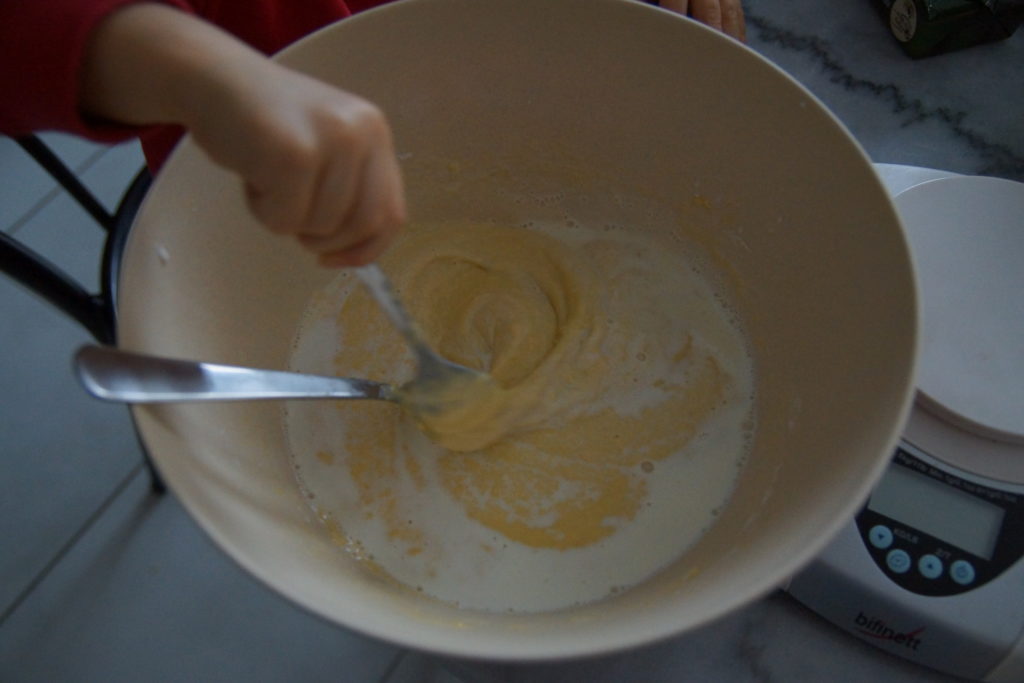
pixel 930 27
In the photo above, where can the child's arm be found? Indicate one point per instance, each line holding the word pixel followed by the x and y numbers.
pixel 317 162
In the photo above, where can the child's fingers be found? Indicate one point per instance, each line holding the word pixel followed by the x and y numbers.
pixel 733 21
pixel 677 6
pixel 708 12
pixel 374 220
pixel 350 134
pixel 356 255
pixel 280 198
pixel 335 196
pixel 723 15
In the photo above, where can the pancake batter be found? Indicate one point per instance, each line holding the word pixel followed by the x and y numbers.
pixel 622 416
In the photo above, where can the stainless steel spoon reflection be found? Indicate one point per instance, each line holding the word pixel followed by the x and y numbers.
pixel 439 385
pixel 125 377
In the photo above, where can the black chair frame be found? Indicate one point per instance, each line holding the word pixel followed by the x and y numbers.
pixel 95 311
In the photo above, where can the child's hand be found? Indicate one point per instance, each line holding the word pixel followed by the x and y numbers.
pixel 724 15
pixel 317 163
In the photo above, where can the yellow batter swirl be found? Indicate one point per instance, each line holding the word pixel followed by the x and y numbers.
pixel 598 381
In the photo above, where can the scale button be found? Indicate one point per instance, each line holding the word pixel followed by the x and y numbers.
pixel 929 566
pixel 880 536
pixel 898 561
pixel 962 572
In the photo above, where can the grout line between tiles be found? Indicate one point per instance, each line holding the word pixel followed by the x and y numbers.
pixel 90 161
pixel 393 666
pixel 34 210
pixel 70 543
pixel 55 192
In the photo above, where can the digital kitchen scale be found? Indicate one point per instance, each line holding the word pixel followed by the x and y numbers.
pixel 932 567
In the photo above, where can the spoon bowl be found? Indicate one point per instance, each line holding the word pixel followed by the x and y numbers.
pixel 439 385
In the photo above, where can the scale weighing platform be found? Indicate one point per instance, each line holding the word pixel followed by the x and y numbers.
pixel 932 567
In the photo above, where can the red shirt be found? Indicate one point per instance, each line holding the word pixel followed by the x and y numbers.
pixel 42 44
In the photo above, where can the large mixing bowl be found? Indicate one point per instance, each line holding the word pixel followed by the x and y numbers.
pixel 625 113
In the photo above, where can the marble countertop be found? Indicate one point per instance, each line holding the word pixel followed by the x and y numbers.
pixel 961 112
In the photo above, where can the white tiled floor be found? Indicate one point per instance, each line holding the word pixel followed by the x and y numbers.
pixel 141 594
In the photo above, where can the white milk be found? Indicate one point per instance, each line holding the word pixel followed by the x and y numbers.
pixel 452 557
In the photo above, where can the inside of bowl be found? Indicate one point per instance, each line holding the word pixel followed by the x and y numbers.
pixel 604 110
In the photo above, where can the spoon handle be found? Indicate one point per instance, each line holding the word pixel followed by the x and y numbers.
pixel 380 288
pixel 122 376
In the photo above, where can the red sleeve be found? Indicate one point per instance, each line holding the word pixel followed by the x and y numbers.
pixel 41 48
pixel 42 44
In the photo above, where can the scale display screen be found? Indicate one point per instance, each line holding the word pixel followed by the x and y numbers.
pixel 942 511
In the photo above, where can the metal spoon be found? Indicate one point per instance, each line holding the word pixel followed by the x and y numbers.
pixel 439 383
pixel 126 377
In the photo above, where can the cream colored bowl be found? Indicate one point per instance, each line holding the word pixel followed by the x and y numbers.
pixel 613 107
